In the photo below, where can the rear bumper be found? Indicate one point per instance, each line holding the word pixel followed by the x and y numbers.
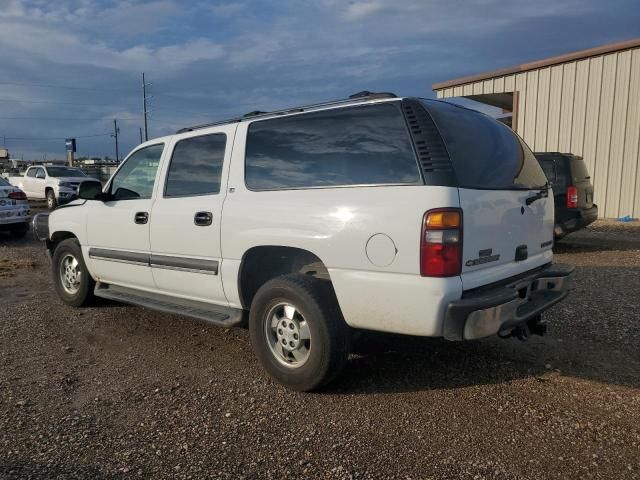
pixel 575 220
pixel 487 312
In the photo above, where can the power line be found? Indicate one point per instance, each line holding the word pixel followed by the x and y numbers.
pixel 57 103
pixel 70 119
pixel 42 85
pixel 56 138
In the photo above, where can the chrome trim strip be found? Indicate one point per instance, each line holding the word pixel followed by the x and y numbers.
pixel 169 262
pixel 196 265
pixel 119 256
pixel 182 269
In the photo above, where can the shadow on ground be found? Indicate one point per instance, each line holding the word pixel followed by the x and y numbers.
pixel 593 335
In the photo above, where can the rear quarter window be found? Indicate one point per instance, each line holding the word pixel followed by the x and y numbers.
pixel 485 153
pixel 549 169
pixel 363 145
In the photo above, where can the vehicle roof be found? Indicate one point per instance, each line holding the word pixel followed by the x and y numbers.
pixel 360 98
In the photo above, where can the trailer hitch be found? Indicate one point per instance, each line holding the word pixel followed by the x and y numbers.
pixel 533 326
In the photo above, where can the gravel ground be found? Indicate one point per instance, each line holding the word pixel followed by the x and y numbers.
pixel 122 392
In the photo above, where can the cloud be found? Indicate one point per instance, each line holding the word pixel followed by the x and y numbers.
pixel 211 59
pixel 358 10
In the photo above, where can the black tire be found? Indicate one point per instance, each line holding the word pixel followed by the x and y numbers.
pixel 52 203
pixel 84 294
pixel 20 231
pixel 316 303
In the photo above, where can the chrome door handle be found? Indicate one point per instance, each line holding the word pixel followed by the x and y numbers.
pixel 141 218
pixel 203 219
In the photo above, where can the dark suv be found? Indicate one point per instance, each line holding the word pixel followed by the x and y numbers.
pixel 572 191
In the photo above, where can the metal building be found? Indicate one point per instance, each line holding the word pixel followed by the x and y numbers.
pixel 586 103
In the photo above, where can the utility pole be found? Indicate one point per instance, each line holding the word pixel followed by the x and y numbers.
pixel 140 134
pixel 144 107
pixel 115 133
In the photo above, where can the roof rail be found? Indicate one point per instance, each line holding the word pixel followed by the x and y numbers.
pixel 356 97
pixel 368 94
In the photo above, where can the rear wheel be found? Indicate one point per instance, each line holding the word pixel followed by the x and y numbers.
pixel 297 331
pixel 71 279
pixel 51 200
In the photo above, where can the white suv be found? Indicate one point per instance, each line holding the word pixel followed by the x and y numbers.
pixel 381 213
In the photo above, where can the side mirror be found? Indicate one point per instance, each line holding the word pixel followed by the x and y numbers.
pixel 89 190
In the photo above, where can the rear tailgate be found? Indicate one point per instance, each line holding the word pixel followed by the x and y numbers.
pixel 495 173
pixel 582 180
pixel 498 227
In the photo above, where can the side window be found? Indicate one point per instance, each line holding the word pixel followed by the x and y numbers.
pixel 40 173
pixel 361 145
pixel 196 166
pixel 136 177
pixel 31 172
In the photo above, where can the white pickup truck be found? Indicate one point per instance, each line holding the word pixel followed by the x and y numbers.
pixel 55 184
pixel 393 214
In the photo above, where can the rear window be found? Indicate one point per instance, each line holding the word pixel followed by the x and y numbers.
pixel 485 153
pixel 65 172
pixel 579 169
pixel 362 145
pixel 4 183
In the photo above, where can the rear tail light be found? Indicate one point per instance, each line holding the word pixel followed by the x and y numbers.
pixel 572 197
pixel 17 196
pixel 441 243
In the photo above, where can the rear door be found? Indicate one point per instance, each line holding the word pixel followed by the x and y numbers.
pixel 185 221
pixel 507 217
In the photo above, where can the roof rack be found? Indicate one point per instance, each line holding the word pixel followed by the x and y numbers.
pixel 356 97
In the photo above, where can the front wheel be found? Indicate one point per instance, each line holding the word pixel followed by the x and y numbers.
pixel 51 200
pixel 297 331
pixel 71 278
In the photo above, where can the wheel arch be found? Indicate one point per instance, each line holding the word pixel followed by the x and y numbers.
pixel 57 237
pixel 262 263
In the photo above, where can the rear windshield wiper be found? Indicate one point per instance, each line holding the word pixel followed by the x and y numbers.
pixel 543 192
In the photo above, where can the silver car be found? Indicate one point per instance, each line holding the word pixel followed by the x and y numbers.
pixel 14 210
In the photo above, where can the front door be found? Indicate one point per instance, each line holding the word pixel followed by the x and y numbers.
pixel 118 230
pixel 28 181
pixel 37 184
pixel 185 220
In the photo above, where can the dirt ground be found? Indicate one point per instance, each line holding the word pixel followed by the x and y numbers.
pixel 121 392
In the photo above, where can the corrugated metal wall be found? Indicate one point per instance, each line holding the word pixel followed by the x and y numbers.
pixel 590 107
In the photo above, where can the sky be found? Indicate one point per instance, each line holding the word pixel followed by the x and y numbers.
pixel 69 67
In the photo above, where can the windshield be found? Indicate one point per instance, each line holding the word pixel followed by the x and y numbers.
pixel 65 172
pixel 485 153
